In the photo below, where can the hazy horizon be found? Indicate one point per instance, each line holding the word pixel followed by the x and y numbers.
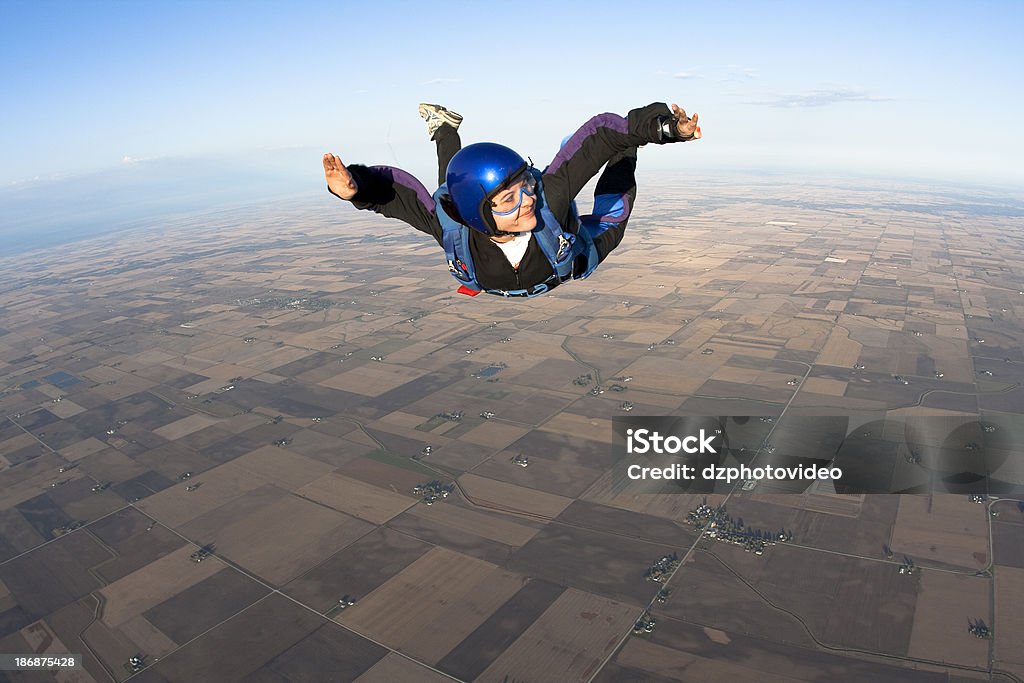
pixel 154 193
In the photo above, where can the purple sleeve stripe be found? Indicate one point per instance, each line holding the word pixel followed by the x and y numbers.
pixel 573 144
pixel 406 179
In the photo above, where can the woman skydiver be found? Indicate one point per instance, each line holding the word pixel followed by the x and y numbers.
pixel 507 228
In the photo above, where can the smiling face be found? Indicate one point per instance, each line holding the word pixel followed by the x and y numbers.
pixel 513 206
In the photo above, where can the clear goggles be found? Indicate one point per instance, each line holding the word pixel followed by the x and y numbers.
pixel 508 199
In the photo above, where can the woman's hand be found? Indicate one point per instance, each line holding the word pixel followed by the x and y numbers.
pixel 686 127
pixel 339 180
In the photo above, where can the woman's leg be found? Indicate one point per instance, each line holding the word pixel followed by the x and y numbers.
pixel 443 129
pixel 448 143
pixel 613 203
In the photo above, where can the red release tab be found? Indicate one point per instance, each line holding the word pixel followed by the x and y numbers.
pixel 463 289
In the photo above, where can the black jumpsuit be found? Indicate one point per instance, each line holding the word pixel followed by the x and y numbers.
pixel 606 140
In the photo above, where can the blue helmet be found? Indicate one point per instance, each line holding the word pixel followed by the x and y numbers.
pixel 475 174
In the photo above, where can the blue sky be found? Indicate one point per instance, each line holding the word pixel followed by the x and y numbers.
pixel 910 89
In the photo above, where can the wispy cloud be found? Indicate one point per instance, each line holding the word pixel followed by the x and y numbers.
pixel 686 73
pixel 439 81
pixel 819 98
pixel 738 73
pixel 129 160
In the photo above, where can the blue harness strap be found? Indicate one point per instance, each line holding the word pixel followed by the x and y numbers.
pixel 455 240
pixel 560 248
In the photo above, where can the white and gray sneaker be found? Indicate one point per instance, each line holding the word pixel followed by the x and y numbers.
pixel 436 116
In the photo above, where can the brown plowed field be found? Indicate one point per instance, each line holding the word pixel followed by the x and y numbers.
pixel 147 638
pixel 54 575
pixel 1009 621
pixel 626 522
pixel 109 645
pixel 68 624
pixel 705 593
pixel 502 530
pixel 356 498
pixel 944 604
pixel 953 532
pixel 240 646
pixel 601 563
pixel 674 665
pixel 171 459
pixel 480 648
pixel 394 668
pixel 283 468
pixel 444 536
pixel 567 643
pixel 566 449
pixel 196 608
pixel 185 426
pixel 358 569
pixel 845 601
pixel 453 621
pixel 492 434
pixel 542 474
pixel 719 658
pixel 143 549
pixel 1008 540
pixel 489 491
pixel 381 475
pixel 258 531
pixel 330 653
pixel 176 506
pixel 154 583
pixel 410 601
